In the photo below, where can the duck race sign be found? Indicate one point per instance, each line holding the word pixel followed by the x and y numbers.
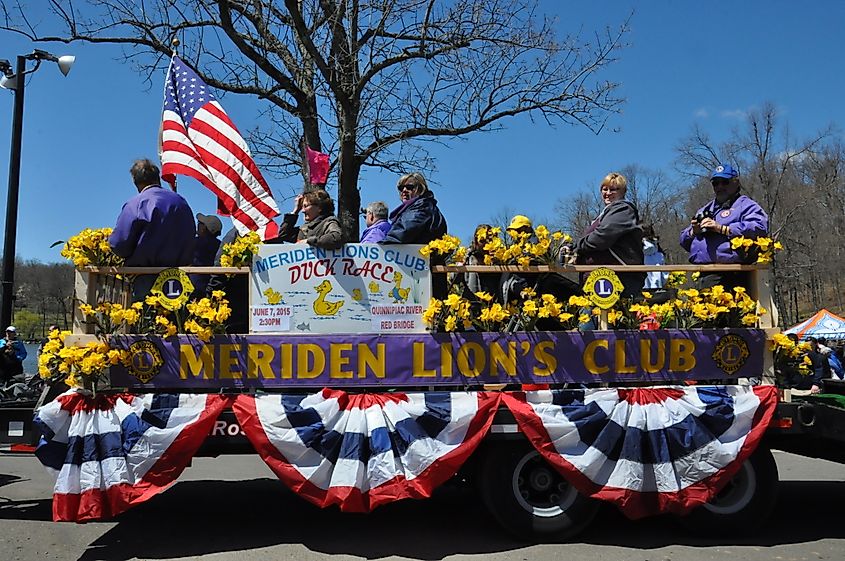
pixel 358 288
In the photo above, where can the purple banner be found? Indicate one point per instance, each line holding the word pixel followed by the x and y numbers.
pixel 439 359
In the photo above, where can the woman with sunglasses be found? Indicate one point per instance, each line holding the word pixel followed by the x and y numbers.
pixel 418 220
pixel 728 215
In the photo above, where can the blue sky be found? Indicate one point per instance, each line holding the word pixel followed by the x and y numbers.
pixel 688 62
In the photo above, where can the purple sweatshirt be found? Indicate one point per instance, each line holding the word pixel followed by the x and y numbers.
pixel 376 232
pixel 743 217
pixel 155 228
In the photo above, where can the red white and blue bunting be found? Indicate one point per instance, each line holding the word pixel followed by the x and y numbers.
pixel 363 450
pixel 109 453
pixel 647 450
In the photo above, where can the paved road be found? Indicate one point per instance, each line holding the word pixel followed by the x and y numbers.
pixel 249 515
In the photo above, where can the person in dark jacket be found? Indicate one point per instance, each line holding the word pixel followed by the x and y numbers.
pixel 615 237
pixel 206 245
pixel 418 221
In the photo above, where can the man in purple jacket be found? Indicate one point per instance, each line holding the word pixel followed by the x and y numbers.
pixel 155 227
pixel 375 215
pixel 729 215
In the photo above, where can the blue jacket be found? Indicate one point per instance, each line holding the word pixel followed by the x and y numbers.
pixel 416 221
pixel 20 349
pixel 744 218
pixel 155 228
pixel 376 232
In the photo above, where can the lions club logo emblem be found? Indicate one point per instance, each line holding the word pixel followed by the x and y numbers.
pixel 145 360
pixel 730 353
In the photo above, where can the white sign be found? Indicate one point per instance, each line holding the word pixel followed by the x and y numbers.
pixel 271 318
pixel 359 288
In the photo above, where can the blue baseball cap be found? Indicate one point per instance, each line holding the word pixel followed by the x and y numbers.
pixel 725 172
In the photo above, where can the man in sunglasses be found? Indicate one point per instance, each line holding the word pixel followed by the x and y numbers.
pixel 728 215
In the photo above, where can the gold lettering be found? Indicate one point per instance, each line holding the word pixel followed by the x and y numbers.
pixel 498 357
pixel 589 357
pixel 478 363
pixel 286 361
pixel 374 362
pixel 547 362
pixel 258 359
pixel 337 360
pixel 418 369
pixel 681 358
pixel 191 364
pixel 446 360
pixel 228 362
pixel 310 361
pixel 645 356
pixel 619 358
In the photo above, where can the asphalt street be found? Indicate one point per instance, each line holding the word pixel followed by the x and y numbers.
pixel 233 508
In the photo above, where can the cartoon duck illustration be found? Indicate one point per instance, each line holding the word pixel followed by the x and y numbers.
pixel 273 297
pixel 374 287
pixel 398 293
pixel 321 307
pixel 356 294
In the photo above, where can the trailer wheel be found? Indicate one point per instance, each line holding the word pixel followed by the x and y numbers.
pixel 529 498
pixel 745 502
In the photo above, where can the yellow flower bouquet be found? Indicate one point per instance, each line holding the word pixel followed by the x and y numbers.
pixel 239 253
pixel 78 366
pixel 91 247
pixel 763 248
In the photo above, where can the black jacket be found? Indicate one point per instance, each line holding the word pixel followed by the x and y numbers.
pixel 418 222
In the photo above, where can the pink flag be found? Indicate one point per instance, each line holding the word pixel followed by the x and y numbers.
pixel 318 166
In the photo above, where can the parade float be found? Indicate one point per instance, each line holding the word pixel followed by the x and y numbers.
pixel 357 388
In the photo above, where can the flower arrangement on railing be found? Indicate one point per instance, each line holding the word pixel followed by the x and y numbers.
pixel 791 359
pixel 708 308
pixel 521 248
pixel 80 366
pixel 91 247
pixel 763 248
pixel 480 313
pixel 239 253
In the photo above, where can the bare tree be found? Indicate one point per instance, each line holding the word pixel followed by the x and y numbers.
pixel 359 79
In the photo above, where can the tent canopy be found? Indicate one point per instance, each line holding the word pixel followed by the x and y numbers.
pixel 823 324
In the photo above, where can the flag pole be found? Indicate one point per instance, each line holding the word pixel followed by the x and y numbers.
pixel 174 54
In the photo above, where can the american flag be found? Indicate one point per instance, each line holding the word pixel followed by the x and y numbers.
pixel 199 140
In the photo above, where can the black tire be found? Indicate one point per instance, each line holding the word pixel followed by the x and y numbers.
pixel 744 504
pixel 528 497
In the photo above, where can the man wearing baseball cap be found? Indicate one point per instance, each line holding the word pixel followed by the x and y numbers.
pixel 12 354
pixel 205 248
pixel 728 215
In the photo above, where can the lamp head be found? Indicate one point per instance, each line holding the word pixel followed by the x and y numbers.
pixel 65 62
pixel 9 82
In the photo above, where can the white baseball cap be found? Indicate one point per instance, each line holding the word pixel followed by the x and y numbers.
pixel 12 328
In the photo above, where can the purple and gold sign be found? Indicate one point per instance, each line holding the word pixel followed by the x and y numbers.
pixel 440 359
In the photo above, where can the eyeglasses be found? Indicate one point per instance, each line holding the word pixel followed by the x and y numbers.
pixel 363 212
pixel 408 186
pixel 719 182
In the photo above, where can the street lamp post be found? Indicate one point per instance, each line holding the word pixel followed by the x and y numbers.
pixel 17 82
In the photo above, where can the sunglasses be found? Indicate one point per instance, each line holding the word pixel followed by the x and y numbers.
pixel 719 182
pixel 408 186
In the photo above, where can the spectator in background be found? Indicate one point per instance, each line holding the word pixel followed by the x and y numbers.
pixel 820 367
pixel 730 214
pixel 653 255
pixel 155 228
pixel 375 216
pixel 12 355
pixel 205 249
pixel 833 361
pixel 236 288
